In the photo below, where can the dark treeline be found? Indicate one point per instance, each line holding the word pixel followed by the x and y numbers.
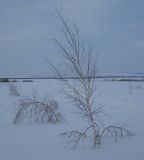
pixel 136 78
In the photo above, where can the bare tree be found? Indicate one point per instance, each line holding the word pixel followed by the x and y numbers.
pixel 81 64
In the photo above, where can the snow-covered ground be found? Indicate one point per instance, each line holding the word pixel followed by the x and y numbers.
pixel 29 141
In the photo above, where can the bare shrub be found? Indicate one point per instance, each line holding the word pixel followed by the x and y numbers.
pixel 38 110
pixel 13 90
pixel 81 64
pixel 135 86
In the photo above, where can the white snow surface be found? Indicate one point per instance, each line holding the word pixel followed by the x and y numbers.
pixel 29 141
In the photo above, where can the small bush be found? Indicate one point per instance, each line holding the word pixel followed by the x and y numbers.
pixel 43 110
pixel 13 90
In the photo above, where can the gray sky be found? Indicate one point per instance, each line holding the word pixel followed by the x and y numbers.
pixel 116 28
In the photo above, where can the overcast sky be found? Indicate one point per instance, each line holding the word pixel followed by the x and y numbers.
pixel 116 28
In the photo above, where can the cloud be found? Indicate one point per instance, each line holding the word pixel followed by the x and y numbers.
pixel 5 38
pixel 139 45
pixel 115 26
